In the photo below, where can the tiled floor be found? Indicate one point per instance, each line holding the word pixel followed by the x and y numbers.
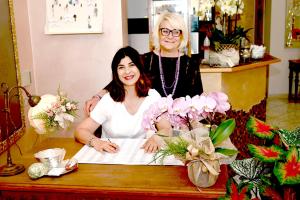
pixel 282 114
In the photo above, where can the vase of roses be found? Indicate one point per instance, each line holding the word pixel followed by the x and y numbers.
pixel 202 145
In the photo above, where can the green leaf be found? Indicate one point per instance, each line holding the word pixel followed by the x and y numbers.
pixel 226 152
pixel 290 138
pixel 259 128
pixel 267 154
pixel 289 172
pixel 249 168
pixel 223 131
pixel 234 191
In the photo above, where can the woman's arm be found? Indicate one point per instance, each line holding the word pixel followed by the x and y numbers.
pixel 155 142
pixel 85 134
pixel 92 102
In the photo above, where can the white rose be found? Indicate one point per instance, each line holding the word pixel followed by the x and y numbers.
pixel 45 103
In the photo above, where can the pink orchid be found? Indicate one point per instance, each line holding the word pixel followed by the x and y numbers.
pixel 179 107
pixel 222 101
pixel 183 110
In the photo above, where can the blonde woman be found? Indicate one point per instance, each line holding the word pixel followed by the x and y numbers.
pixel 170 70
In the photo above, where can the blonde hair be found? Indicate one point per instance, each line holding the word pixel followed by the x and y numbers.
pixel 177 22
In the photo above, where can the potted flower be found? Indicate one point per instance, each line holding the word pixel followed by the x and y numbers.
pixel 202 147
pixel 221 40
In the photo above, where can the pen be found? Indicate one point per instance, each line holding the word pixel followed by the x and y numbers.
pixel 111 142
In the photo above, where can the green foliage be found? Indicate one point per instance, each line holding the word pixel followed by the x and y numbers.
pixel 175 146
pixel 218 37
pixel 290 138
pixel 259 128
pixel 288 173
pixel 223 131
pixel 254 173
pixel 285 164
pixel 49 122
pixel 235 191
pixel 226 152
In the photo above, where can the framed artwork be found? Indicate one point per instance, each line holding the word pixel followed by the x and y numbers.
pixel 9 74
pixel 74 16
pixel 292 30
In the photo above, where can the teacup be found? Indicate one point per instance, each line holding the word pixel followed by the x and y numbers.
pixel 51 157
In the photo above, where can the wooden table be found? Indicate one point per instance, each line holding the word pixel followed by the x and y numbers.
pixel 294 66
pixel 93 181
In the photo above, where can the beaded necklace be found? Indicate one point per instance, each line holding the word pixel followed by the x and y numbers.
pixel 162 77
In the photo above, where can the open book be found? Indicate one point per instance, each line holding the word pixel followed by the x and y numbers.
pixel 130 153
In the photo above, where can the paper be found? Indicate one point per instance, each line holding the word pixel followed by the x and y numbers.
pixel 130 153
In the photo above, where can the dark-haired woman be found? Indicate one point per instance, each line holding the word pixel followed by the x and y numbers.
pixel 120 111
pixel 170 70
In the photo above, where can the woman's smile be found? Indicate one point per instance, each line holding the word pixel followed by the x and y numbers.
pixel 128 72
pixel 129 77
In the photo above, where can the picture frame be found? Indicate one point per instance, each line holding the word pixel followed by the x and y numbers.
pixel 74 16
pixel 292 30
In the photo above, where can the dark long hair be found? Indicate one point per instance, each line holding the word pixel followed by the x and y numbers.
pixel 116 87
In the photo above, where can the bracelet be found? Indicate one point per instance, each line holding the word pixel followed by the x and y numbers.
pixel 90 142
pixel 97 96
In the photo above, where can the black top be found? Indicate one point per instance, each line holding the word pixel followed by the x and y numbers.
pixel 189 80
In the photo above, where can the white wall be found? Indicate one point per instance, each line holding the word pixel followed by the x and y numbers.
pixel 278 82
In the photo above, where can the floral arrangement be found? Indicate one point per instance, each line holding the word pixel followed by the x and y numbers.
pixel 52 113
pixel 181 112
pixel 203 149
pixel 275 164
pixel 231 7
pixel 204 6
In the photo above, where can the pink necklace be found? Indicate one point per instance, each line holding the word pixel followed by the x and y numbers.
pixel 162 76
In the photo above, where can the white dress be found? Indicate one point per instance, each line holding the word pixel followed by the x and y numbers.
pixel 117 122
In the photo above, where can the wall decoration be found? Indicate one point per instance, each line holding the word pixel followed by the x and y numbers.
pixel 74 16
pixel 292 30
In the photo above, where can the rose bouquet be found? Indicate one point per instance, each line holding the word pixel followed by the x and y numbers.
pixel 53 112
pixel 198 142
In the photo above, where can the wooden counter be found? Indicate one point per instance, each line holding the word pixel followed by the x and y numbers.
pixel 267 60
pixel 246 85
pixel 93 181
pixel 247 88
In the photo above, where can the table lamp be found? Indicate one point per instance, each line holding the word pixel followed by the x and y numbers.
pixel 11 169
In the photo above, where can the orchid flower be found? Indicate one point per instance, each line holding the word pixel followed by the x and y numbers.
pixel 181 111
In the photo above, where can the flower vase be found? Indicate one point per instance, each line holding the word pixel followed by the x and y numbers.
pixel 200 175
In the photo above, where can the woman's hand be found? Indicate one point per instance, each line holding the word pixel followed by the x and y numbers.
pixel 101 145
pixel 152 145
pixel 90 105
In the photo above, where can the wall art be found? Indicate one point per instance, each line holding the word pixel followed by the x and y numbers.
pixel 74 16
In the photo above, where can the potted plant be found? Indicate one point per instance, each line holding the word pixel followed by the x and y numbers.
pixel 274 167
pixel 203 148
pixel 221 41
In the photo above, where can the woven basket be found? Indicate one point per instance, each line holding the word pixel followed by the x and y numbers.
pixel 221 47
